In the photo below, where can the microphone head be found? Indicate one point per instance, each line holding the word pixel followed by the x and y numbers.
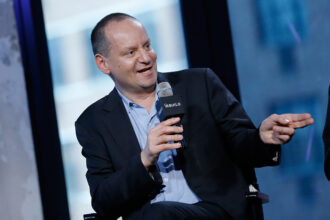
pixel 164 89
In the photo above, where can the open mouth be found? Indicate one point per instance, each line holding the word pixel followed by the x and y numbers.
pixel 144 70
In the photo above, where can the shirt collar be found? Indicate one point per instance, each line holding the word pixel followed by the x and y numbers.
pixel 125 100
pixel 129 104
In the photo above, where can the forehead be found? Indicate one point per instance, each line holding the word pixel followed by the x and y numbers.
pixel 125 32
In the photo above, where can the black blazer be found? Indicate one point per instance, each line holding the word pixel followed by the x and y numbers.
pixel 326 140
pixel 223 147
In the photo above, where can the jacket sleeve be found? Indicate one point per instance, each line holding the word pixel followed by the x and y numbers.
pixel 114 192
pixel 242 138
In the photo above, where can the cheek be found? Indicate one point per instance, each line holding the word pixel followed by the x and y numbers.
pixel 125 65
pixel 154 56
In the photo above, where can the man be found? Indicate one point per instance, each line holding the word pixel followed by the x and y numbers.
pixel 326 140
pixel 137 167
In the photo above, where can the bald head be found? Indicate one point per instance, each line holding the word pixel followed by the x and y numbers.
pixel 100 42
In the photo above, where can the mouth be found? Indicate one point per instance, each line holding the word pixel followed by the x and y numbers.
pixel 145 70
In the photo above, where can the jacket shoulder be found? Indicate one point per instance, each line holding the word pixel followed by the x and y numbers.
pixel 197 71
pixel 92 111
pixel 192 74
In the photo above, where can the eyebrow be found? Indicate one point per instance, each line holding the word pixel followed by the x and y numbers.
pixel 129 48
pixel 134 47
pixel 148 41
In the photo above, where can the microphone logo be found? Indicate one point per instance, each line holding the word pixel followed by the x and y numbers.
pixel 172 105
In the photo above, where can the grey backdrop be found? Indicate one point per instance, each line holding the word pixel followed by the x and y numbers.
pixel 19 187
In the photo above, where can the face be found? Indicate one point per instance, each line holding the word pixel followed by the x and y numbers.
pixel 131 61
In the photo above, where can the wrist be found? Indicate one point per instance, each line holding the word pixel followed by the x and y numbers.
pixel 146 163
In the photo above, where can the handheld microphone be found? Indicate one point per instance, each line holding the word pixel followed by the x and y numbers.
pixel 171 105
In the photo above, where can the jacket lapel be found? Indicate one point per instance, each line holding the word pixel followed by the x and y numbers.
pixel 119 125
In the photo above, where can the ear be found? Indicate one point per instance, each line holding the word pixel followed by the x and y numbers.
pixel 102 63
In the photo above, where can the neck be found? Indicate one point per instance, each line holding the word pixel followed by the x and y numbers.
pixel 144 99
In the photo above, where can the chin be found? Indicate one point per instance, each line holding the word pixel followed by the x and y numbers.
pixel 150 86
pixel 151 80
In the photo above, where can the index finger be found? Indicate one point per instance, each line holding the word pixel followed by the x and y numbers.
pixel 171 121
pixel 297 117
pixel 299 120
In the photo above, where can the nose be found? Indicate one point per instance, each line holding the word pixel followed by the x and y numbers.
pixel 144 57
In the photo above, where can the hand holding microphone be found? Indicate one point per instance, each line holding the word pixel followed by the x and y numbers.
pixel 170 105
pixel 162 137
pixel 166 135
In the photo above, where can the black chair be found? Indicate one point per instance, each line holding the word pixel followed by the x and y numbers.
pixel 255 200
pixel 254 197
pixel 92 216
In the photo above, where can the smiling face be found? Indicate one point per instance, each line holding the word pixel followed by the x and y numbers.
pixel 131 61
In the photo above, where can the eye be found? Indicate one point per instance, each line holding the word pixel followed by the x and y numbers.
pixel 148 46
pixel 131 52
